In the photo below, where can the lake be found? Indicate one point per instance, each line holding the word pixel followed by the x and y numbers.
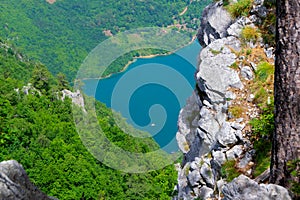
pixel 151 92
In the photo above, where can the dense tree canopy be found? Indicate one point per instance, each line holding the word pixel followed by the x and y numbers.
pixel 62 34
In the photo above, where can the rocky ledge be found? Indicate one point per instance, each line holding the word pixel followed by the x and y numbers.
pixel 15 184
pixel 207 135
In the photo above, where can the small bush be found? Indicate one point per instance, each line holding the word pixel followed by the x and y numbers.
pixel 248 52
pixel 264 70
pixel 262 129
pixel 292 166
pixel 240 8
pixel 236 111
pixel 234 66
pixel 262 157
pixel 264 125
pixel 249 34
pixel 229 171
pixel 261 96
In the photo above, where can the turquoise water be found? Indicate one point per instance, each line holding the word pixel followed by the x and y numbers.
pixel 151 92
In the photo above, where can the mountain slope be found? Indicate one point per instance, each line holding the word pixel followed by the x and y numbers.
pixel 37 130
pixel 63 33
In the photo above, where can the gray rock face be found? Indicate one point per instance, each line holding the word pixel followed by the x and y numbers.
pixel 194 178
pixel 215 61
pixel 227 135
pixel 15 184
pixel 235 152
pixel 187 125
pixel 247 73
pixel 215 20
pixel 207 174
pixel 243 187
pixel 76 97
pixel 205 192
pixel 235 29
pixel 205 136
pixel 260 11
pixel 219 156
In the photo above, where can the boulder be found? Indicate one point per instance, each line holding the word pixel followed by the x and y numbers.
pixel 15 184
pixel 244 162
pixel 219 156
pixel 194 178
pixel 235 152
pixel 226 135
pixel 247 73
pixel 205 192
pixel 207 175
pixel 235 29
pixel 214 23
pixel 243 187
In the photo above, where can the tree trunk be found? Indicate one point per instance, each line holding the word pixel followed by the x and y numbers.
pixel 286 139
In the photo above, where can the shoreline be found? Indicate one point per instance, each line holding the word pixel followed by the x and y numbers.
pixel 135 59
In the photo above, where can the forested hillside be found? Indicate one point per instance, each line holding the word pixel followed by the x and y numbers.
pixel 37 130
pixel 61 34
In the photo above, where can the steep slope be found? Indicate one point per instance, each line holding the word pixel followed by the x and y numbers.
pixel 37 130
pixel 226 127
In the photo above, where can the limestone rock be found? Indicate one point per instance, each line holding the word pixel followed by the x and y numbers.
pixel 244 162
pixel 235 29
pixel 226 135
pixel 214 23
pixel 76 97
pixel 208 125
pixel 260 11
pixel 182 143
pixel 215 62
pixel 219 156
pixel 269 52
pixel 30 89
pixel 194 178
pixel 247 73
pixel 243 187
pixel 234 152
pixel 205 192
pixel 207 175
pixel 238 126
pixel 15 184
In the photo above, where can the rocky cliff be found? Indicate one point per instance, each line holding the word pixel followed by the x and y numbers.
pixel 208 135
pixel 15 184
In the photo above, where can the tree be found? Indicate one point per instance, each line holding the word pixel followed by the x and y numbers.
pixel 286 139
pixel 62 81
pixel 41 78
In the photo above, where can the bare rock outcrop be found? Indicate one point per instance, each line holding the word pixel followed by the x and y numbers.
pixel 15 184
pixel 243 187
pixel 207 134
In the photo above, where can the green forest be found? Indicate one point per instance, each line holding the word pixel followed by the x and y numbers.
pixel 37 130
pixel 63 33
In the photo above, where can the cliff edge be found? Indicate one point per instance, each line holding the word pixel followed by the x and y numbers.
pixel 208 134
